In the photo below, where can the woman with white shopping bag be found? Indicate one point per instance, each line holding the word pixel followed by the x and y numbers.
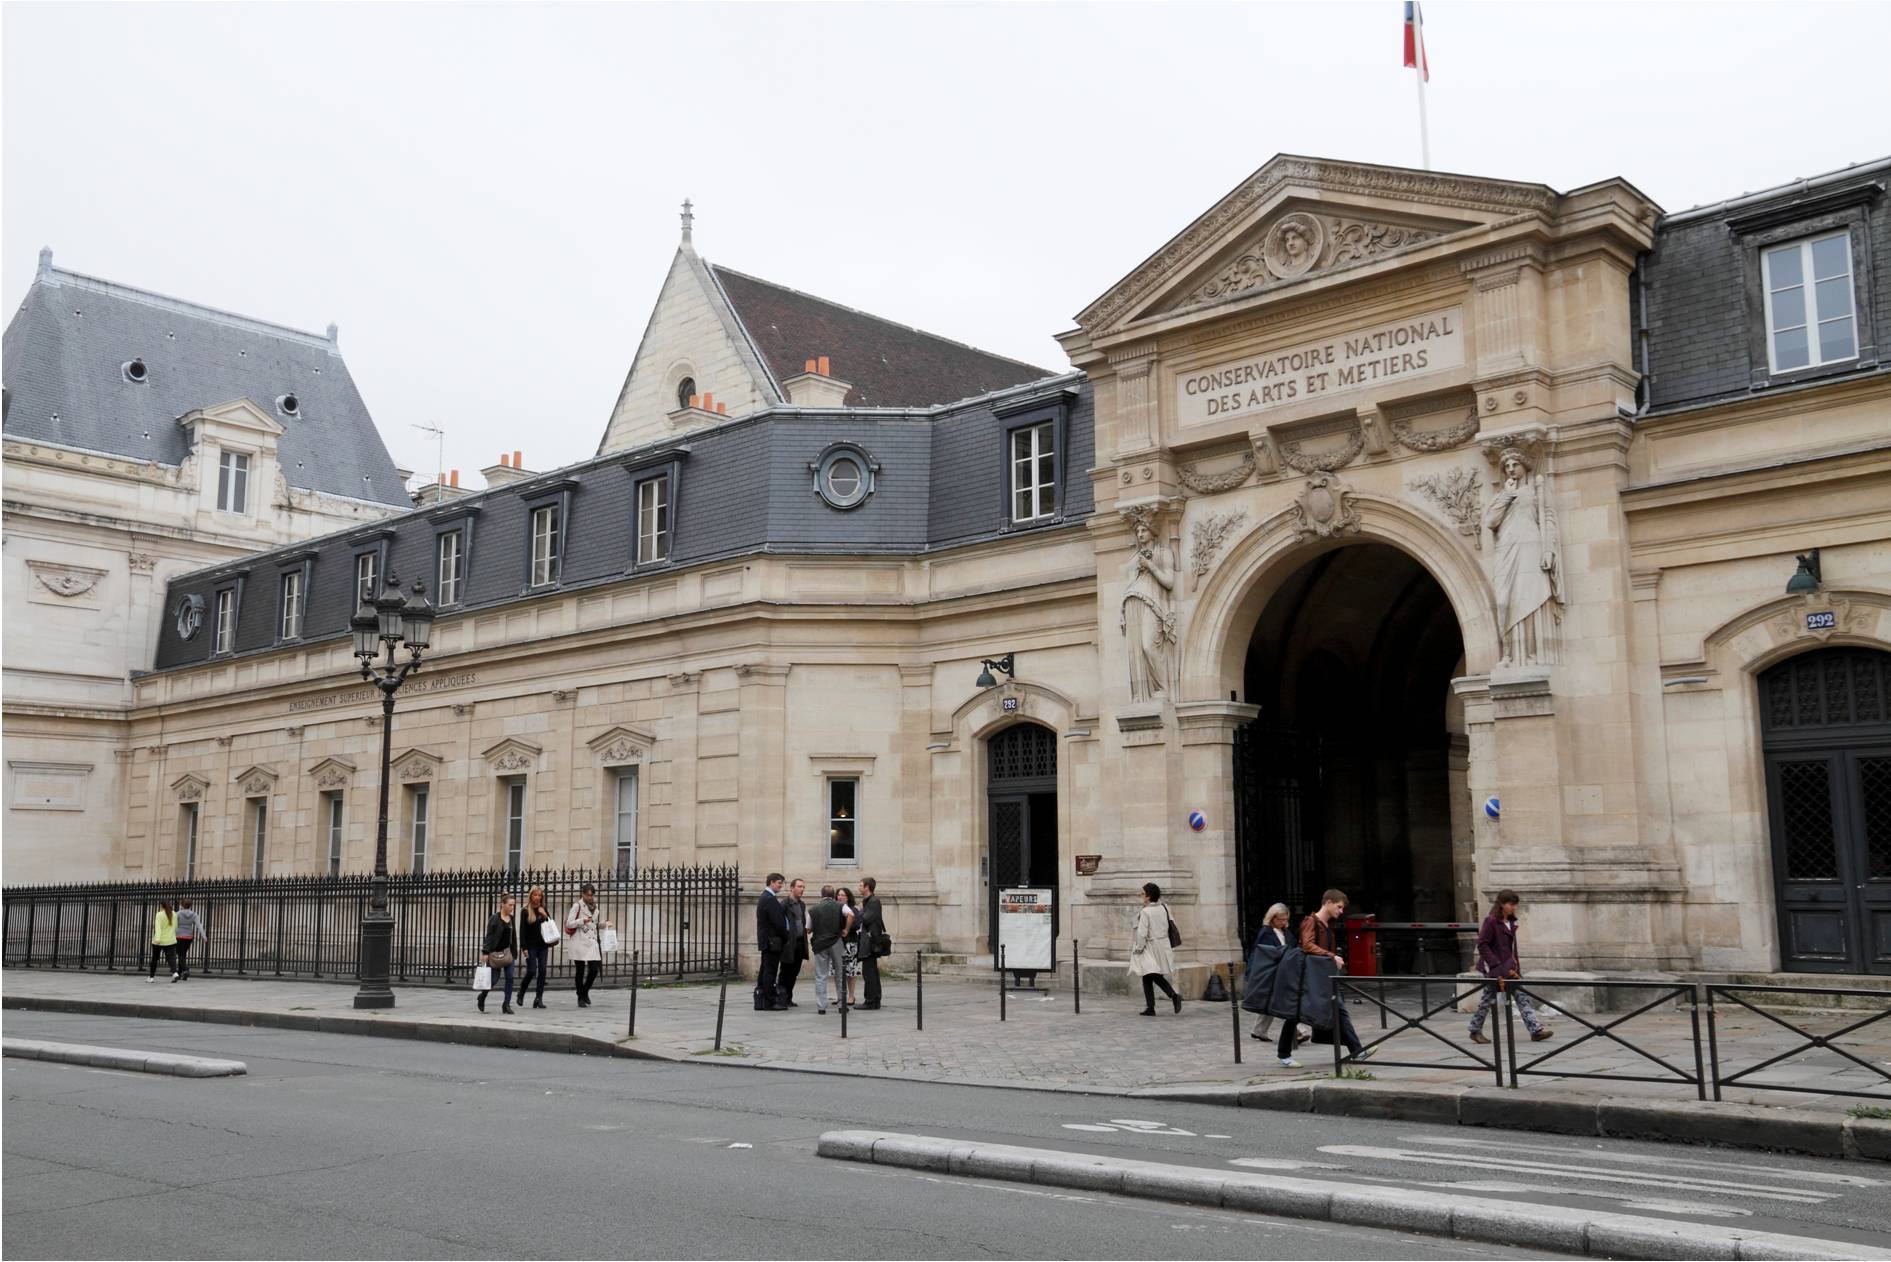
pixel 582 947
pixel 498 951
pixel 538 931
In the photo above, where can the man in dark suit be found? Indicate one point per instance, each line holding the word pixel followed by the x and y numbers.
pixel 872 935
pixel 771 934
pixel 797 950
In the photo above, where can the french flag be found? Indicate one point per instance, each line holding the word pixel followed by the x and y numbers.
pixel 1415 39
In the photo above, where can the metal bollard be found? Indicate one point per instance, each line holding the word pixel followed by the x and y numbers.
pixel 1001 983
pixel 1337 1071
pixel 1076 973
pixel 840 984
pixel 919 987
pixel 636 958
pixel 722 1003
pixel 1234 1014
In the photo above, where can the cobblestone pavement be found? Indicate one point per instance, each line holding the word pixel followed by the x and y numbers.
pixel 1045 1044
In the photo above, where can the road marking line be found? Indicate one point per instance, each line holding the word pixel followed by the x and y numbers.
pixel 1627 1202
pixel 1639 1159
pixel 1797 1196
pixel 1282 1163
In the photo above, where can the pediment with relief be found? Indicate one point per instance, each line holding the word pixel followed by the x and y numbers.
pixel 621 744
pixel 1299 218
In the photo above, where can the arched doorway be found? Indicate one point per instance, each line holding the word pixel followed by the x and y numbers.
pixel 1353 775
pixel 1825 720
pixel 1021 792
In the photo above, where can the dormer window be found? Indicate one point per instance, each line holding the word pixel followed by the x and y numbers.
pixel 1809 313
pixel 546 540
pixel 233 481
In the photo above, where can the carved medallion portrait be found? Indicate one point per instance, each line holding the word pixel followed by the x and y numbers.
pixel 1294 245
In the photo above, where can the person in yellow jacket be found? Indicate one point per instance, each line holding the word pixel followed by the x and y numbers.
pixel 164 939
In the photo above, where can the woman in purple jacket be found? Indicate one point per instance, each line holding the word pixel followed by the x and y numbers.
pixel 1497 958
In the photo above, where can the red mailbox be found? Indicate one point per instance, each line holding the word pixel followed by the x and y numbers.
pixel 1362 941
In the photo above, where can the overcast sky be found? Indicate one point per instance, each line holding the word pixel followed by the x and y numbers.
pixel 484 197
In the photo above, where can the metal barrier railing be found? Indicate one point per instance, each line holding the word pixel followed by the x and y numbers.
pixel 1457 990
pixel 1809 1039
pixel 1664 993
pixel 1707 1078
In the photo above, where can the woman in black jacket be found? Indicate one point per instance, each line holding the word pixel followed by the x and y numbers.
pixel 533 918
pixel 501 947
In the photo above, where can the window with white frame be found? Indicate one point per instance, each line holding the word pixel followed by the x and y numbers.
pixel 653 520
pixel 292 605
pixel 624 830
pixel 417 807
pixel 545 545
pixel 515 824
pixel 1033 473
pixel 451 568
pixel 1809 315
pixel 843 820
pixel 366 567
pixel 224 637
pixel 259 834
pixel 334 818
pixel 233 482
pixel 188 827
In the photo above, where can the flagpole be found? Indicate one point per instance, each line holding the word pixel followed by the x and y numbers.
pixel 1418 71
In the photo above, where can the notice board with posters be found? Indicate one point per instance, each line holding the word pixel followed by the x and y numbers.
pixel 1025 928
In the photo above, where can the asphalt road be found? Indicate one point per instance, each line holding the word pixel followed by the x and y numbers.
pixel 348 1147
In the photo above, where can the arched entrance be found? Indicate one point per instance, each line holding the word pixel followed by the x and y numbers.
pixel 1353 775
pixel 1021 793
pixel 1825 721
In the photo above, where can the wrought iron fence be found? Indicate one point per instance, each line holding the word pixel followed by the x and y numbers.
pixel 682 922
pixel 1809 1040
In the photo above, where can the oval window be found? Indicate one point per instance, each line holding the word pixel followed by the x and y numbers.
pixel 843 478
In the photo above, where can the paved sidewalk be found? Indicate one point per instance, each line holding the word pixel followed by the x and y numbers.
pixel 1044 1044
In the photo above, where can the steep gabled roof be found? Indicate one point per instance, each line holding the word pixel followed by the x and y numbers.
pixel 888 364
pixel 67 347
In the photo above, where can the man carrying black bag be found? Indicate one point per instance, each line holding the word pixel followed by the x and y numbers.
pixel 874 941
pixel 771 935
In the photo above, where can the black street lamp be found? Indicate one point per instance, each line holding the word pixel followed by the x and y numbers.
pixel 384 626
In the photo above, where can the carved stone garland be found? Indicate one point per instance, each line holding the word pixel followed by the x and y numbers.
pixel 1300 461
pixel 1216 483
pixel 1435 440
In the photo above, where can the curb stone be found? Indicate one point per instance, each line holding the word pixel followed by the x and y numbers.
pixel 1596 1233
pixel 121 1058
pixel 1818 1134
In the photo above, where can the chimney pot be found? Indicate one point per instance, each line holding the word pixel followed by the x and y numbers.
pixel 810 367
pixel 722 409
pixel 456 478
pixel 695 400
pixel 823 363
pixel 709 401
pixel 518 460
pixel 440 478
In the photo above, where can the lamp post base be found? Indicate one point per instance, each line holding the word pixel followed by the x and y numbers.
pixel 377 941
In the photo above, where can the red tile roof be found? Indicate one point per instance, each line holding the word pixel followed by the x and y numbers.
pixel 888 364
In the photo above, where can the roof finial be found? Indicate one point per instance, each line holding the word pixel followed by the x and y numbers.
pixel 689 218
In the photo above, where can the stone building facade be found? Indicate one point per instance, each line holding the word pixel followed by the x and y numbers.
pixel 144 437
pixel 1413 533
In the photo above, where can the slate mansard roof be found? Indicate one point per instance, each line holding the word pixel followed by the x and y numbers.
pixel 1698 312
pixel 741 487
pixel 67 347
pixel 888 364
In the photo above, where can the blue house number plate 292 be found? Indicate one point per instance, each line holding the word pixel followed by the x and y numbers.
pixel 1010 704
pixel 1824 620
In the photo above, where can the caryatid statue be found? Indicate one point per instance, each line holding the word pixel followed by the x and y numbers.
pixel 1147 616
pixel 1526 562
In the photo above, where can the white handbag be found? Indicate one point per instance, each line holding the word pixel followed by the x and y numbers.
pixel 482 978
pixel 607 939
pixel 548 930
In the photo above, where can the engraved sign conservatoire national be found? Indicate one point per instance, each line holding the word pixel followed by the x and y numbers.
pixel 1412 347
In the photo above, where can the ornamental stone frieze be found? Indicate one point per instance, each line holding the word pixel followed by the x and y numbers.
pixel 1298 244
pixel 1436 439
pixel 621 745
pixel 1458 494
pixel 257 781
pixel 415 764
pixel 1191 476
pixel 190 788
pixel 332 773
pixel 1206 538
pixel 512 755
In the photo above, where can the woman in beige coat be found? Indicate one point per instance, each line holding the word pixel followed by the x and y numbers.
pixel 1149 956
pixel 582 923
